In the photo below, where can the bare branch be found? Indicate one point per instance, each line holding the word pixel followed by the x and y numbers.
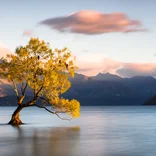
pixel 15 89
pixel 30 103
pixel 39 91
pixel 46 100
pixel 20 100
pixel 63 118
pixel 53 112
pixel 23 88
pixel 45 108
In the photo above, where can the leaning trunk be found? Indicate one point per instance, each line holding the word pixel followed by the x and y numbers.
pixel 15 120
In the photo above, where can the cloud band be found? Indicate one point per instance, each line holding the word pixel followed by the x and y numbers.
pixel 92 22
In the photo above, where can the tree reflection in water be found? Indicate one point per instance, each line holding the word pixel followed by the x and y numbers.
pixel 55 141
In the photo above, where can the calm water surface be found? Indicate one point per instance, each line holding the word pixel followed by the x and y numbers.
pixel 100 131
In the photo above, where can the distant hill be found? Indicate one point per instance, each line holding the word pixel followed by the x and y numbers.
pixel 8 101
pixel 151 101
pixel 106 77
pixel 79 77
pixel 102 89
pixel 11 100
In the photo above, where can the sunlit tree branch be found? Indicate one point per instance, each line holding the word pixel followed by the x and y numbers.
pixel 15 89
pixel 56 113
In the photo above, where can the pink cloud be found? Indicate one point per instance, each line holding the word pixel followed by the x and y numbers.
pixel 93 22
pixel 3 50
pixel 133 69
pixel 116 67
pixel 27 33
pixel 110 65
pixel 88 68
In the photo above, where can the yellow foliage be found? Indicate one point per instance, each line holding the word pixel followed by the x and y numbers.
pixel 46 71
pixel 71 107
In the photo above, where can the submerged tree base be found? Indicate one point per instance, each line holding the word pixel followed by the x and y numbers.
pixel 15 120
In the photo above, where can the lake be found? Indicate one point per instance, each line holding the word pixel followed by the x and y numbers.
pixel 100 131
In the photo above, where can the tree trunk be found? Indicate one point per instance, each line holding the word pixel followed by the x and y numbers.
pixel 15 120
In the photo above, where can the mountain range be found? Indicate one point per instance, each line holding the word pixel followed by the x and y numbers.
pixel 102 89
pixel 109 89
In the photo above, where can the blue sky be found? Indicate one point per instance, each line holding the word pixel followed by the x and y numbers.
pixel 91 50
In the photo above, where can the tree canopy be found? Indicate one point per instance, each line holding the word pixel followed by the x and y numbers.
pixel 46 72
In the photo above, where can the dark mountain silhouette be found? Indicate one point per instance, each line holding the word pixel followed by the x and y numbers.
pixel 109 89
pixel 102 89
pixel 151 101
pixel 107 77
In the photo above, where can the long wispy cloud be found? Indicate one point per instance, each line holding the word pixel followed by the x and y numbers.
pixel 123 69
pixel 133 69
pixel 92 22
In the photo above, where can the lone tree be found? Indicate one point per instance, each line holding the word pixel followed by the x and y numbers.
pixel 46 72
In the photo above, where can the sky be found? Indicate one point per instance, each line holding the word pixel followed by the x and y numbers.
pixel 116 36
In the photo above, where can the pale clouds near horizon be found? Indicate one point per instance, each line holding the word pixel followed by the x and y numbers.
pixel 3 50
pixel 124 69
